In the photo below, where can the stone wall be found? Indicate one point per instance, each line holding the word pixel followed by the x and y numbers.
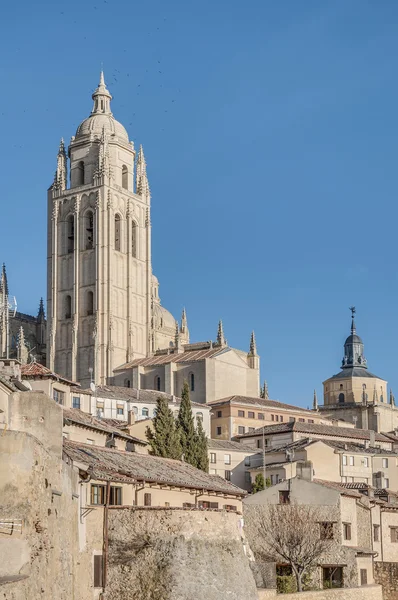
pixel 368 592
pixel 169 554
pixel 386 574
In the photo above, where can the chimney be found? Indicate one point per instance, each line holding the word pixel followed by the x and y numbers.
pixel 372 439
pixel 304 470
pixel 367 444
pixel 371 493
pixel 131 417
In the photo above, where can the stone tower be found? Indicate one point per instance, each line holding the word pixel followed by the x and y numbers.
pixel 100 283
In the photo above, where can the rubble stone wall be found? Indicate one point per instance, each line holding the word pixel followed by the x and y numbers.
pixel 169 554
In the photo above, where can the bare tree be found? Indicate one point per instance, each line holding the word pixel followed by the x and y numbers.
pixel 292 533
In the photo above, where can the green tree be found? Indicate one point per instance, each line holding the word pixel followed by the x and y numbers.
pixel 164 438
pixel 202 456
pixel 258 484
pixel 186 428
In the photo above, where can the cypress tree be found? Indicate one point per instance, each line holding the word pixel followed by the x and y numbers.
pixel 164 439
pixel 186 428
pixel 259 483
pixel 202 457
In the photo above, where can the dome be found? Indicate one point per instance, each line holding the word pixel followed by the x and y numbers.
pixel 165 319
pixel 353 339
pixel 96 123
pixel 101 118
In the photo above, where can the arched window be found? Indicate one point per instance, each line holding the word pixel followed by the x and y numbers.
pixel 341 386
pixel 192 382
pixel 125 178
pixel 134 239
pixel 80 173
pixel 135 409
pixel 127 383
pixel 117 233
pixel 89 230
pixel 341 398
pixel 145 412
pixel 70 233
pixel 90 303
pixel 199 416
pixel 68 307
pixel 157 383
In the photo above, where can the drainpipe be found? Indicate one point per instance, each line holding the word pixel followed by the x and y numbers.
pixel 105 537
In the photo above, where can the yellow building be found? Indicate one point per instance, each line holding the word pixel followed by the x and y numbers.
pixel 357 395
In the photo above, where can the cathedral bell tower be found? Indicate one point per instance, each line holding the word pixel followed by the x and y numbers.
pixel 99 281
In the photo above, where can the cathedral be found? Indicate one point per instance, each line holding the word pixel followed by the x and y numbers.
pixel 103 303
pixel 105 322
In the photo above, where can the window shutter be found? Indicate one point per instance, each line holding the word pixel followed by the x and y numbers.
pixel 98 579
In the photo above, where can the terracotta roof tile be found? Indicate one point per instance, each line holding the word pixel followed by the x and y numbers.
pixel 118 392
pixel 261 402
pixel 110 465
pixel 163 359
pixel 35 369
pixel 315 429
pixel 233 446
pixel 78 417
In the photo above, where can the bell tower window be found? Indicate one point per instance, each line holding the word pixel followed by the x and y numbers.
pixel 341 398
pixel 70 233
pixel 68 307
pixel 125 178
pixel 90 302
pixel 117 233
pixel 80 173
pixel 89 230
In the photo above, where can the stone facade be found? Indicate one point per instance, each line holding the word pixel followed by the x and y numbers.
pixel 103 300
pixel 386 575
pixel 175 555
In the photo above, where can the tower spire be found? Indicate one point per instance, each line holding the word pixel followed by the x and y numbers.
pixel 353 348
pixel 184 322
pixel 22 351
pixel 142 187
pixel 102 98
pixel 3 281
pixel 315 401
pixel 264 391
pixel 60 177
pixel 220 334
pixel 177 338
pixel 253 345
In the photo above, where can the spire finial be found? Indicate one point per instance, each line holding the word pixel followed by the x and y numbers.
pixel 220 334
pixel 353 311
pixel 102 79
pixel 184 321
pixel 264 391
pixel 315 401
pixel 253 345
pixel 102 98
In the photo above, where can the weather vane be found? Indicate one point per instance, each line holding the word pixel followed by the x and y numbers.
pixel 353 311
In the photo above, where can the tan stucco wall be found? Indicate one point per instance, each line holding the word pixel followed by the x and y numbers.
pixel 352 388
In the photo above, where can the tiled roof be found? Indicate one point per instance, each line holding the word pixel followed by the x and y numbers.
pixel 354 372
pixel 119 392
pixel 227 445
pixel 34 369
pixel 114 465
pixel 315 429
pixel 162 359
pixel 261 402
pixel 11 386
pixel 334 485
pixel 78 417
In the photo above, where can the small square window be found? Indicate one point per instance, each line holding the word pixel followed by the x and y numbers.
pixel 213 457
pixel 310 420
pixel 281 418
pixel 272 417
pixel 241 413
pixel 227 475
pixel 250 414
pixel 352 461
pixel 58 396
pixel 219 414
pixel 326 530
pixel 385 463
pixel 394 534
pixel 261 416
pixel 218 430
pixel 120 410
pixel 344 460
pixel 241 430
pixel 301 420
pixel 76 402
pixel 227 459
pixel 247 477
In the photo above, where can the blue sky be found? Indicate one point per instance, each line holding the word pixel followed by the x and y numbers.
pixel 270 132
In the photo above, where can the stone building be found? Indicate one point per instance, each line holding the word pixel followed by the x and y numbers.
pixel 22 336
pixel 212 369
pixel 239 414
pixel 103 300
pixel 346 516
pixel 357 395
